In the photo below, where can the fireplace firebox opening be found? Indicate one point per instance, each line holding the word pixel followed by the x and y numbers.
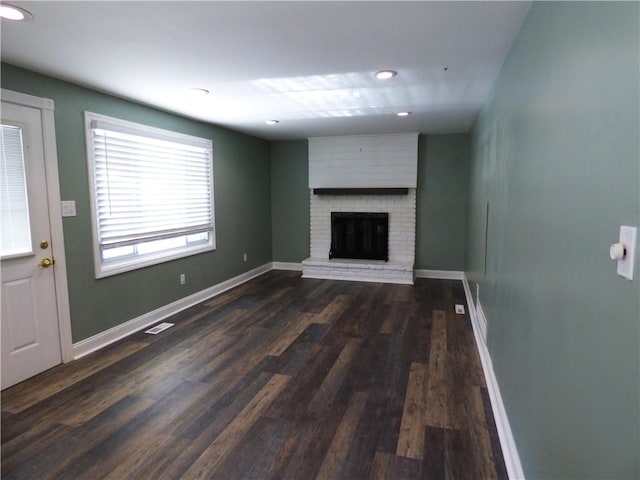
pixel 358 235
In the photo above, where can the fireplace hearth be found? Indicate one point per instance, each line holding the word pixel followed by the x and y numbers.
pixel 359 235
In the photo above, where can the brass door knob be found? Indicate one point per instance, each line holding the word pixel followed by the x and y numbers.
pixel 46 263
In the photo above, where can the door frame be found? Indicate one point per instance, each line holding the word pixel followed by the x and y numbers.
pixel 46 107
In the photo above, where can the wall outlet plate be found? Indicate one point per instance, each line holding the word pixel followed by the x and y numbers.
pixel 628 237
pixel 68 208
pixel 459 309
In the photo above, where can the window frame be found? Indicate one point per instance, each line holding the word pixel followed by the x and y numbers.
pixel 105 269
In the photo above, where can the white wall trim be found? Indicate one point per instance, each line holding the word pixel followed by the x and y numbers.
pixel 296 267
pixel 102 339
pixel 440 274
pixel 26 100
pixel 507 442
pixel 46 107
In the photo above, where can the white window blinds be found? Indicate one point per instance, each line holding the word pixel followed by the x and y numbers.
pixel 151 187
pixel 15 232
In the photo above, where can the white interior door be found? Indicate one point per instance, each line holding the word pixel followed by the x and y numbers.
pixel 29 324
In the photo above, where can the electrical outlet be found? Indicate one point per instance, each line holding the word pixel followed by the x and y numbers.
pixel 459 309
pixel 244 257
pixel 183 279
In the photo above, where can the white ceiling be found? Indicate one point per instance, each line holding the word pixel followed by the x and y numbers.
pixel 308 64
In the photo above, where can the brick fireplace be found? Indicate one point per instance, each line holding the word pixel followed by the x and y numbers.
pixel 378 174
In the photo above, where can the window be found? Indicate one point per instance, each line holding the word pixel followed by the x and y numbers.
pixel 151 193
pixel 15 232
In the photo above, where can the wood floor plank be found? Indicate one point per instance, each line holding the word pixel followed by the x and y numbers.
pixel 55 409
pixel 289 334
pixel 207 371
pixel 359 460
pixel 124 459
pixel 294 357
pixel 433 460
pixel 292 403
pixel 24 447
pixel 339 448
pixel 302 453
pixel 382 468
pixel 387 466
pixel 231 436
pixel 169 414
pixel 479 436
pixel 221 408
pixel 438 412
pixel 417 336
pixel 325 394
pixel 389 390
pixel 411 440
pixel 256 455
pixel 53 381
pixel 396 319
pixel 210 419
pixel 458 456
pixel 333 309
pixel 151 463
pixel 65 453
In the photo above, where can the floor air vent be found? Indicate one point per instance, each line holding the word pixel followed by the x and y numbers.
pixel 159 328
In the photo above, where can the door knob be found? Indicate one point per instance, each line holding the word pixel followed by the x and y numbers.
pixel 46 262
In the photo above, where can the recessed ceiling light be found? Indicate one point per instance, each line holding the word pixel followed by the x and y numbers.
pixel 198 92
pixel 403 114
pixel 386 74
pixel 11 12
pixel 272 122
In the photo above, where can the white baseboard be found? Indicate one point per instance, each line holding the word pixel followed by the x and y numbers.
pixel 102 339
pixel 440 274
pixel 507 442
pixel 296 267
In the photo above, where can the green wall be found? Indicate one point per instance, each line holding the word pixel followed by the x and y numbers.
pixel 555 154
pixel 290 200
pixel 441 203
pixel 242 206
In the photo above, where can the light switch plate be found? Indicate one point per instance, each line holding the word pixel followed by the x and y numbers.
pixel 628 236
pixel 68 208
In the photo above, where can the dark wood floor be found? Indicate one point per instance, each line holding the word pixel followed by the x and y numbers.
pixel 282 377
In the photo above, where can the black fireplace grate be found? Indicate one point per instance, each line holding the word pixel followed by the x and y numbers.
pixel 359 235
